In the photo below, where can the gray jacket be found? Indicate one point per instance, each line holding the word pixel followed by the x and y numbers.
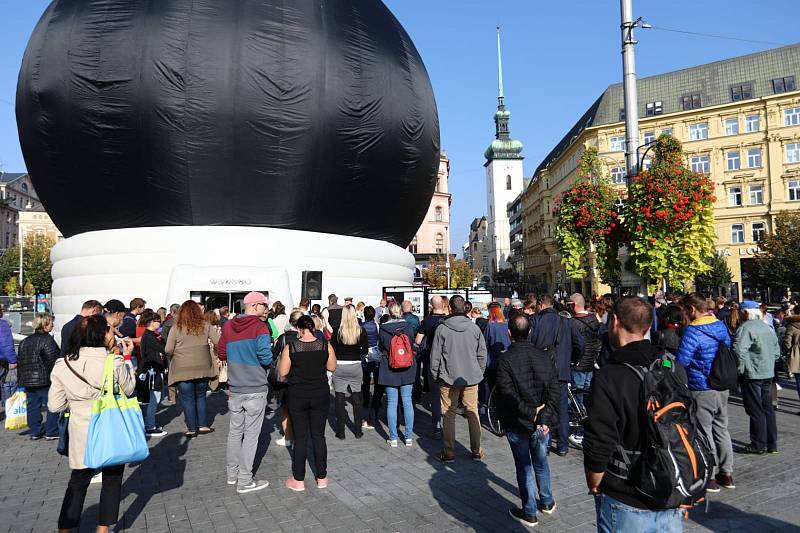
pixel 458 353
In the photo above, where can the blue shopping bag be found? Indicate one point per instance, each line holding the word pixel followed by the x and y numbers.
pixel 116 429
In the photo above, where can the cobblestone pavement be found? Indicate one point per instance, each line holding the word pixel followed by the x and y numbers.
pixel 181 487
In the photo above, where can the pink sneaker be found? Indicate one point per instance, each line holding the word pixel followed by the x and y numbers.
pixel 293 484
pixel 322 483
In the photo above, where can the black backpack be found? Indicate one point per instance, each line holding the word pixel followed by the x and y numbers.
pixel 725 368
pixel 673 464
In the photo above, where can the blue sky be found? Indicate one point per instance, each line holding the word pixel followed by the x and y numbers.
pixel 558 57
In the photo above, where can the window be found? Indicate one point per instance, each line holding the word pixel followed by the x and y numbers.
pixel 743 91
pixel 413 246
pixel 759 231
pixel 737 234
pixel 732 160
pixel 732 126
pixel 652 109
pixel 791 116
pixel 783 85
pixel 617 175
pixel 439 243
pixel 649 136
pixel 437 214
pixel 667 131
pixel 508 183
pixel 25 188
pixel 754 158
pixel 616 144
pixel 647 163
pixel 734 196
pixel 794 190
pixel 619 205
pixel 793 153
pixel 690 101
pixel 698 131
pixel 622 113
pixel 756 194
pixel 701 164
pixel 752 123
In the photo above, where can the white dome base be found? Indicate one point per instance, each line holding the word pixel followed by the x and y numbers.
pixel 165 265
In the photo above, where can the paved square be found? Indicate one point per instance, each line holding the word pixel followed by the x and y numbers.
pixel 181 487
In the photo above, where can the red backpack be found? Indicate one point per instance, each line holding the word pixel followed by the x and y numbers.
pixel 400 354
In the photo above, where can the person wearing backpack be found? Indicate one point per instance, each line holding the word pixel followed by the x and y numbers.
pixel 757 348
pixel 458 361
pixel 616 421
pixel 697 351
pixel 550 330
pixel 398 371
pixel 583 362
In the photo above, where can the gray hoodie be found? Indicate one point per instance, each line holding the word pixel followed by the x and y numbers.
pixel 458 353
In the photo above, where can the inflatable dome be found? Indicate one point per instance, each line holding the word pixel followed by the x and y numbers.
pixel 294 114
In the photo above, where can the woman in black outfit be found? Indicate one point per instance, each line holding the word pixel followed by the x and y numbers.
pixel 304 362
pixel 350 345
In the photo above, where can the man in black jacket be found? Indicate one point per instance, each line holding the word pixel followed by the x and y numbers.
pixel 583 362
pixel 552 331
pixel 89 308
pixel 529 391
pixel 616 419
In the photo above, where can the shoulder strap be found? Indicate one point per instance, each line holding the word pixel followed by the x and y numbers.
pixel 66 361
pixel 639 370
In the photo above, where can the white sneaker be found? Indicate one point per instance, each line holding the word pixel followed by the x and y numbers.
pixel 231 480
pixel 97 478
pixel 253 486
pixel 365 425
pixel 284 442
pixel 392 443
pixel 409 442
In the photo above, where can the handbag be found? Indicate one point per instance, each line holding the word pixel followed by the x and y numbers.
pixel 16 411
pixel 63 434
pixel 116 429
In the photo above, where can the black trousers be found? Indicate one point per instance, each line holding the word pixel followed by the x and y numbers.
pixel 341 412
pixel 308 414
pixel 110 495
pixel 371 401
pixel 757 399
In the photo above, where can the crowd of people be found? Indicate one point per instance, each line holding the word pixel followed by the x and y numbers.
pixel 527 353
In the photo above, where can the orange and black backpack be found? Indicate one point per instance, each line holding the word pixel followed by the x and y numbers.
pixel 674 462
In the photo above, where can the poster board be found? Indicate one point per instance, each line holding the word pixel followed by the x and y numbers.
pixel 480 298
pixel 416 295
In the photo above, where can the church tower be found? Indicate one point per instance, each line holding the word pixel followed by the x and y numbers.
pixel 504 178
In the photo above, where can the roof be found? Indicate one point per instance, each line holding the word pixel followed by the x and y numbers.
pixel 712 80
pixel 10 177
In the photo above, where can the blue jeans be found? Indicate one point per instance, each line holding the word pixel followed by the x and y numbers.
pixel 193 400
pixel 582 382
pixel 152 407
pixel 530 456
pixel 614 516
pixel 391 410
pixel 37 400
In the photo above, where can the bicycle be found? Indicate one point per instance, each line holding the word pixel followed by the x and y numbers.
pixel 577 416
pixel 491 414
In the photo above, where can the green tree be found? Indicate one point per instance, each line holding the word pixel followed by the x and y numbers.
pixel 778 262
pixel 11 287
pixel 461 274
pixel 37 267
pixel 717 278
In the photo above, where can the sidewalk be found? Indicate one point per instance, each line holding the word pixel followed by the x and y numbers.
pixel 181 487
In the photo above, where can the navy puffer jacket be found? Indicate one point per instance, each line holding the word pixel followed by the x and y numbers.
pixel 698 349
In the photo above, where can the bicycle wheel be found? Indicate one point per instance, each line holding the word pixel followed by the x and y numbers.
pixel 491 414
pixel 577 416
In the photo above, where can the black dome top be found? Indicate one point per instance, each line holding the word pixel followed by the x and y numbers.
pixel 298 114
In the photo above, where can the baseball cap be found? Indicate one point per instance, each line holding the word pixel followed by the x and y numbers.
pixel 748 304
pixel 114 306
pixel 255 298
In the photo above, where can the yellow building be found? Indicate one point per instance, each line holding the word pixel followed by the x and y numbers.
pixel 738 120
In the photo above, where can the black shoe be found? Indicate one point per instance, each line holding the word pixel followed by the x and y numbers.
pixel 520 516
pixel 36 437
pixel 773 451
pixel 560 453
pixel 340 436
pixel 548 509
pixel 51 437
pixel 753 450
pixel 359 435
